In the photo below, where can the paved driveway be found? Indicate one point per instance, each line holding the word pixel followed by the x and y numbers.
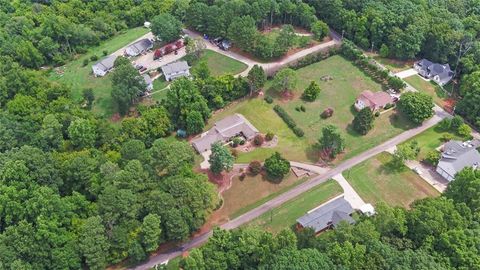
pixel 406 73
pixel 350 195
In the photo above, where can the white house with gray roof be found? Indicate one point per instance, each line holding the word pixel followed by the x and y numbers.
pixel 327 215
pixel 457 156
pixel 139 47
pixel 224 130
pixel 102 67
pixel 176 70
pixel 441 74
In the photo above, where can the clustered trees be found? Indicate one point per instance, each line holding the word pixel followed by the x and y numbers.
pixel 417 106
pixel 127 84
pixel 166 27
pixel 395 238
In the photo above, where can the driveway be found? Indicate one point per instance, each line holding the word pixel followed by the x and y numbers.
pixel 428 174
pixel 350 195
pixel 406 73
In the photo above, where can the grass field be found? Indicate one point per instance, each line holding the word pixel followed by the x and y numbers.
pixel 340 94
pixel 220 64
pixel 394 65
pixel 80 77
pixel 436 92
pixel 375 181
pixel 286 215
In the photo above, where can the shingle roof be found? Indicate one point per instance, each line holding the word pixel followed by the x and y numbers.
pixel 175 67
pixel 106 63
pixel 147 79
pixel 328 214
pixel 377 99
pixel 457 155
pixel 141 45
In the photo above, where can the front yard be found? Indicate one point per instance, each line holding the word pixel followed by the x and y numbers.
pixel 286 215
pixel 440 96
pixel 220 64
pixel 375 181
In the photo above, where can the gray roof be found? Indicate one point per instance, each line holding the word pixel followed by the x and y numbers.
pixel 147 79
pixel 328 214
pixel 141 45
pixel 431 69
pixel 458 155
pixel 223 130
pixel 106 63
pixel 175 67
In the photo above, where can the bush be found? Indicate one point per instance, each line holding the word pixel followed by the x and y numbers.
pixel 303 41
pixel 258 140
pixel 384 51
pixel 276 166
pixel 285 117
pixel 268 99
pixel 302 108
pixel 377 114
pixel 445 124
pixel 297 109
pixel 298 131
pixel 105 52
pixel 242 142
pixel 242 176
pixel 388 106
pixel 432 157
pixel 94 58
pixel 456 122
pixel 465 131
pixel 255 167
pixel 85 61
pixel 447 137
pixel 234 152
pixel 269 136
pixel 236 141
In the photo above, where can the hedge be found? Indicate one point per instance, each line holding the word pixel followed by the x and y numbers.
pixel 288 120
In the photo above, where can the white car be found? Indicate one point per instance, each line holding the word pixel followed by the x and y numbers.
pixel 417 170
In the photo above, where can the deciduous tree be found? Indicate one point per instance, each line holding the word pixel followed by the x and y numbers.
pixel 363 121
pixel 276 166
pixel 331 141
pixel 417 106
pixel 166 27
pixel 221 159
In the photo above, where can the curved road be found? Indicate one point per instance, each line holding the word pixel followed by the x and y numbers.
pixel 298 190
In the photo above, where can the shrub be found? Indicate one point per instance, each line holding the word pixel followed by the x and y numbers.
pixel 384 51
pixel 105 52
pixel 456 122
pixel 297 109
pixel 447 137
pixel 276 166
pixel 285 117
pixel 445 124
pixel 311 92
pixel 377 114
pixel 255 167
pixel 326 113
pixel 302 108
pixel 432 157
pixel 242 176
pixel 298 131
pixel 258 140
pixel 236 141
pixel 269 136
pixel 242 142
pixel 268 99
pixel 94 58
pixel 465 131
pixel 303 41
pixel 85 61
pixel 388 106
pixel 234 152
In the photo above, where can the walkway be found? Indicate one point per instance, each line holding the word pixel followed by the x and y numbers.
pixel 298 190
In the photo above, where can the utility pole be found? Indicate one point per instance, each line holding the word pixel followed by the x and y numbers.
pixel 343 31
pixel 372 47
pixel 465 46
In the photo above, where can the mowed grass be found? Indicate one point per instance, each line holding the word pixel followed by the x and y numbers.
pixel 435 91
pixel 80 77
pixel 286 215
pixel 220 64
pixel 376 182
pixel 251 192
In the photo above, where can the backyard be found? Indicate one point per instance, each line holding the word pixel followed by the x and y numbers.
pixel 286 215
pixel 80 77
pixel 376 181
pixel 339 93
pixel 440 96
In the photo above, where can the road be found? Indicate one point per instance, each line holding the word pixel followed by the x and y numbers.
pixel 296 191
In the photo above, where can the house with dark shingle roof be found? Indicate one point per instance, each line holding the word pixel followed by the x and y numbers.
pixel 457 156
pixel 441 74
pixel 224 130
pixel 327 216
pixel 102 67
pixel 139 47
pixel 176 70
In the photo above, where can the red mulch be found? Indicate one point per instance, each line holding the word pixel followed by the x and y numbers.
pixel 449 104
pixel 287 96
pixel 116 117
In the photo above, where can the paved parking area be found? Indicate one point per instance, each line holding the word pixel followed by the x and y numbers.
pixel 147 61
pixel 428 174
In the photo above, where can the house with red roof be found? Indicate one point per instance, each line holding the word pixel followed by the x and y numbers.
pixel 373 100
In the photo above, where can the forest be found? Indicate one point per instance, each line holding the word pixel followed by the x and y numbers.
pixel 78 191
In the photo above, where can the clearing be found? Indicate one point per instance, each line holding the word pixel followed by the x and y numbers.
pixel 393 65
pixel 375 181
pixel 439 95
pixel 80 77
pixel 286 215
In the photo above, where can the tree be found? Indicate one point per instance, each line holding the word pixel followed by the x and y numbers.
pixel 332 142
pixel 121 61
pixel 363 121
pixel 242 32
pixel 285 79
pixel 166 27
pixel 175 226
pixel 276 166
pixel 221 159
pixel 82 133
pixel 151 232
pixel 93 243
pixel 384 51
pixel 256 78
pixel 396 83
pixel 311 92
pixel 157 122
pixel 194 122
pixel 319 29
pixel 466 188
pixel 408 151
pixel 195 48
pixel 88 97
pixel 255 167
pixel 170 157
pixel 201 71
pixel 465 131
pixel 51 133
pixel 127 85
pixel 417 106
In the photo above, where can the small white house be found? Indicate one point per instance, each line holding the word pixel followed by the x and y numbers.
pixel 102 67
pixel 146 24
pixel 176 70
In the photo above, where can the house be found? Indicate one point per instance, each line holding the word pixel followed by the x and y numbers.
pixel 374 101
pixel 327 216
pixel 175 70
pixel 147 24
pixel 148 82
pixel 139 47
pixel 225 130
pixel 441 74
pixel 456 156
pixel 102 67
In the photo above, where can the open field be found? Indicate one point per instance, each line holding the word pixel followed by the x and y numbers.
pixel 286 215
pixel 430 139
pixel 220 64
pixel 435 91
pixel 245 195
pixel 80 77
pixel 375 181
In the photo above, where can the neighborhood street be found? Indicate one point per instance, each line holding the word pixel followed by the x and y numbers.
pixel 298 190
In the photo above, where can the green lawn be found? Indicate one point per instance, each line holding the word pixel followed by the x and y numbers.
pixel 286 215
pixel 394 65
pixel 340 94
pixel 220 64
pixel 375 181
pixel 435 91
pixel 430 139
pixel 80 77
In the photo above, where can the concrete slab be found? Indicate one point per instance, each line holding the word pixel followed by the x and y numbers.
pixel 349 193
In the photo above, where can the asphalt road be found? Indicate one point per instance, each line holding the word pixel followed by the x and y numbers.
pixel 296 191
